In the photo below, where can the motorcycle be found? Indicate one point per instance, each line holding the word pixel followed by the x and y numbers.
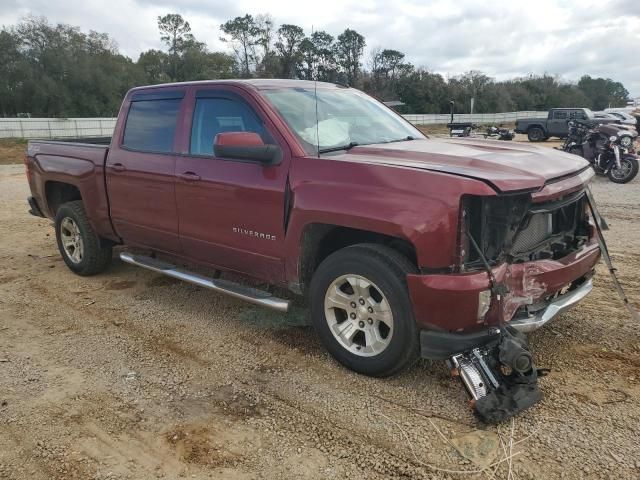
pixel 609 148
pixel 499 133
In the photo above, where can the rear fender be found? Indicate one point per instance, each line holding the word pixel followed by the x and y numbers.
pixel 85 176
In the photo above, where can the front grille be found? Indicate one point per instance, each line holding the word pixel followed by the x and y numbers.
pixel 511 227
pixel 539 229
pixel 551 230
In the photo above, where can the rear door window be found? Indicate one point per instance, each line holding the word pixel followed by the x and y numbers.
pixel 151 125
pixel 560 115
pixel 217 115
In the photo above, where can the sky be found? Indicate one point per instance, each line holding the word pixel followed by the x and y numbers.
pixel 503 39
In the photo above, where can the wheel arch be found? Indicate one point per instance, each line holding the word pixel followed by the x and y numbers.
pixel 58 193
pixel 537 125
pixel 319 240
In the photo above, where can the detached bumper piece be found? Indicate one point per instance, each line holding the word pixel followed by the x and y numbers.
pixel 500 376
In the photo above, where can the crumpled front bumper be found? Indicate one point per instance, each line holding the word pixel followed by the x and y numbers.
pixel 556 307
pixel 449 302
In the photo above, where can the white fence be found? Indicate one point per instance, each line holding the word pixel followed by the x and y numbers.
pixel 506 117
pixel 103 127
pixel 56 127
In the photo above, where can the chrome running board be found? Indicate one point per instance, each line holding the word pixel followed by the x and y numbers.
pixel 249 294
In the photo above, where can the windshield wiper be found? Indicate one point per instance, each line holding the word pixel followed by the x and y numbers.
pixel 409 137
pixel 341 147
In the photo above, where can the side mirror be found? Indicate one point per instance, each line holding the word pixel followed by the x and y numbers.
pixel 245 146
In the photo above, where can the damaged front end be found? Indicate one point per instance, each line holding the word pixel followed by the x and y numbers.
pixel 494 365
pixel 537 260
pixel 500 376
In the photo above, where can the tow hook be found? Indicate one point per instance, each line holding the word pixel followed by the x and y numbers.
pixel 500 377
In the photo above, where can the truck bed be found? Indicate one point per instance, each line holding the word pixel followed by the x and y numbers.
pixel 81 140
pixel 78 165
pixel 88 151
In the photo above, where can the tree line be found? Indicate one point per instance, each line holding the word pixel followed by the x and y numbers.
pixel 59 71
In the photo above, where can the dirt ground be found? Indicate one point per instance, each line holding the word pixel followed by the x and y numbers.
pixel 12 150
pixel 130 375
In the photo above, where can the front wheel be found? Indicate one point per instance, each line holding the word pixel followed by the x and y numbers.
pixel 627 172
pixel 361 309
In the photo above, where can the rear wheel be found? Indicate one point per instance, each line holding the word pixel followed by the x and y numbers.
pixel 361 309
pixel 536 134
pixel 627 172
pixel 78 244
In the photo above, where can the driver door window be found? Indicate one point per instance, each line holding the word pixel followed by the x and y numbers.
pixel 216 115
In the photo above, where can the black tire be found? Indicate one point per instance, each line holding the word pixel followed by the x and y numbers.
pixel 536 134
pixel 95 258
pixel 633 162
pixel 387 269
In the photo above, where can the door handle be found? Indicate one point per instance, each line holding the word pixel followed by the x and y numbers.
pixel 189 176
pixel 118 167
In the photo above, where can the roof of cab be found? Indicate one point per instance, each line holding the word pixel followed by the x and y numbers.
pixel 256 83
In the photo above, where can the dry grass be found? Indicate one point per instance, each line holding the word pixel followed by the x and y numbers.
pixel 12 150
pixel 436 129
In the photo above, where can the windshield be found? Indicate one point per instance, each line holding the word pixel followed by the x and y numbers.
pixel 345 117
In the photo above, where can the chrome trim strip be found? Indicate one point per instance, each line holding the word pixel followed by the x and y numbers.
pixel 558 306
pixel 249 294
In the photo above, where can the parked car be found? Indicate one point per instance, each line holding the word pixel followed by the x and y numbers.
pixel 625 117
pixel 403 245
pixel 608 116
pixel 555 124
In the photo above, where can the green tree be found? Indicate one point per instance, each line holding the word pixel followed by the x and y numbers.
pixel 155 65
pixel 290 38
pixel 603 92
pixel 175 32
pixel 243 34
pixel 11 70
pixel 267 61
pixel 349 48
pixel 56 70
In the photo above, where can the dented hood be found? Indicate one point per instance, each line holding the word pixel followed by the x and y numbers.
pixel 507 166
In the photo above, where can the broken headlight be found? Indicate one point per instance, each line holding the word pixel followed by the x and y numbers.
pixel 492 222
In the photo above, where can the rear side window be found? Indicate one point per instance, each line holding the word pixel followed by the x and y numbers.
pixel 217 115
pixel 559 115
pixel 151 125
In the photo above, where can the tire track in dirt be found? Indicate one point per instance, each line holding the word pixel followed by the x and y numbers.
pixel 331 432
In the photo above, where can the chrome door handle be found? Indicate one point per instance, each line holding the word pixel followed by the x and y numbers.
pixel 189 176
pixel 118 167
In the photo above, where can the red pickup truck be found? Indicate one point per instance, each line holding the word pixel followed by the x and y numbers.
pixel 404 245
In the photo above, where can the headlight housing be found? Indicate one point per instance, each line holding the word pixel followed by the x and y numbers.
pixel 626 141
pixel 484 302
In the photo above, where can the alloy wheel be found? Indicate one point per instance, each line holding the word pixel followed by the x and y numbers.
pixel 71 240
pixel 622 172
pixel 359 315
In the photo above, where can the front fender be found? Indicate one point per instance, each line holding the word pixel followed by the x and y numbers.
pixel 418 206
